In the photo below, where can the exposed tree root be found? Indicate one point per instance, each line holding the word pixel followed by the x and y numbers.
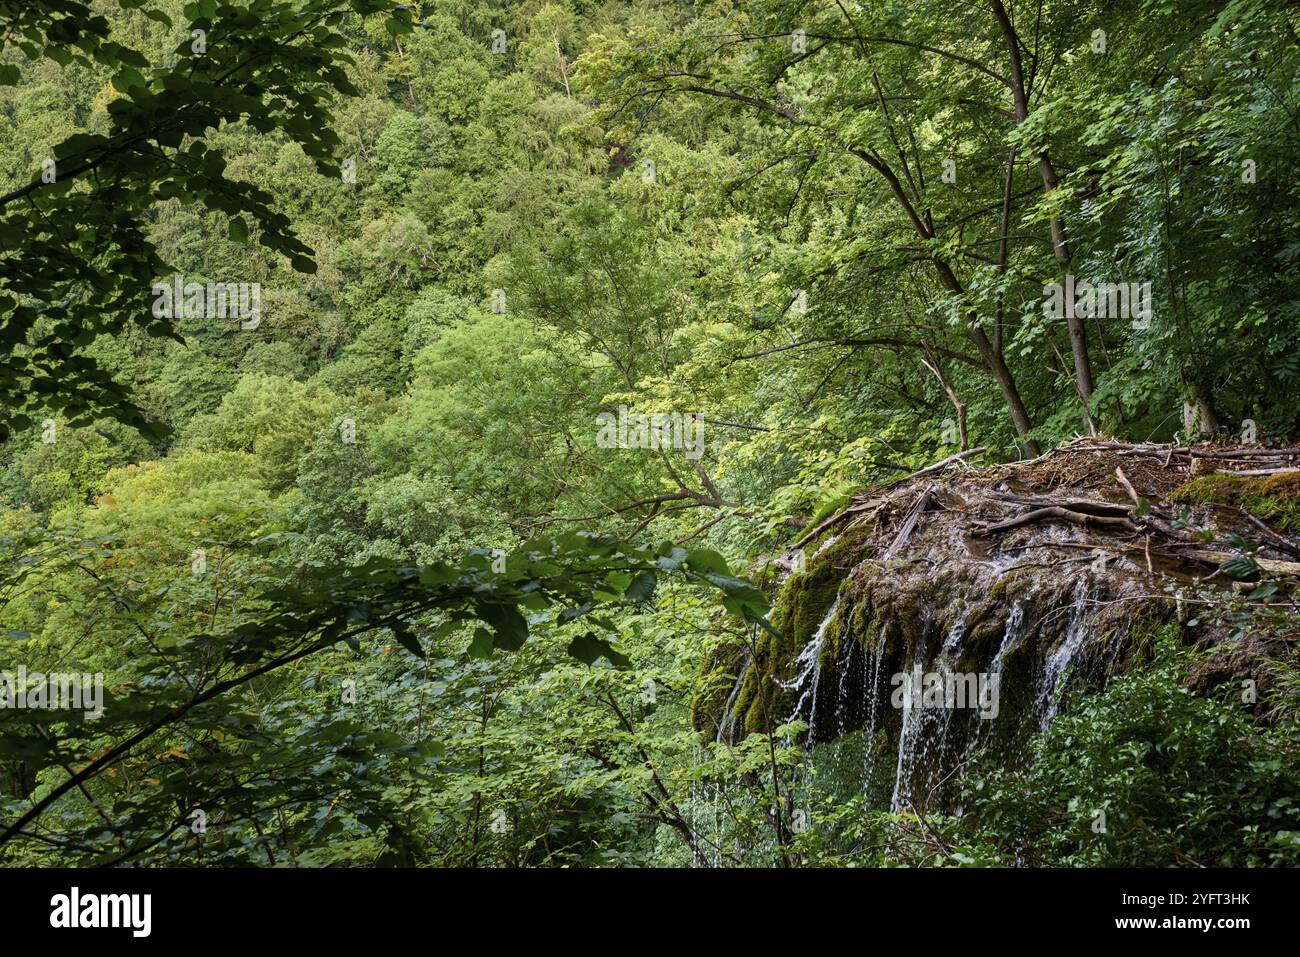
pixel 1063 514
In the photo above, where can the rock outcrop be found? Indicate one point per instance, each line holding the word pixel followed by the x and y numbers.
pixel 997 591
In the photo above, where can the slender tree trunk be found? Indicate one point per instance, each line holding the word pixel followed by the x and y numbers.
pixel 1006 382
pixel 1083 381
pixel 935 365
pixel 994 362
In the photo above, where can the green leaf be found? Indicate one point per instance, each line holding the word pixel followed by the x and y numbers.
pixel 642 587
pixel 510 627
pixel 587 648
pixel 406 638
pixel 1263 591
pixel 569 614
pixel 706 560
pixel 672 558
pixel 1239 566
pixel 126 78
pixel 481 646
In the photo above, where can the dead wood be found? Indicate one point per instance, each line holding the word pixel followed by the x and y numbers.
pixel 1127 485
pixel 1062 514
pixel 1268 564
pixel 1085 505
pixel 909 526
pixel 1280 542
pixel 1255 472
pixel 878 500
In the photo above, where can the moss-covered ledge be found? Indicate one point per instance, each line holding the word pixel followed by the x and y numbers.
pixel 1272 498
pixel 802 604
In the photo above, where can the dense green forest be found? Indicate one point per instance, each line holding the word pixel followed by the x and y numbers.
pixel 445 427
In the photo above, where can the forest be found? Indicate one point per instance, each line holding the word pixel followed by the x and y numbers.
pixel 649 433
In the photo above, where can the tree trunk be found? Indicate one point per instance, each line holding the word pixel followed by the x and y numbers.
pixel 1198 406
pixel 1083 382
pixel 997 366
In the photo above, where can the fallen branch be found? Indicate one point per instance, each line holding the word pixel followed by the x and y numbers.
pixel 1064 514
pixel 1280 542
pixel 837 518
pixel 909 526
pixel 1127 485
pixel 1268 564
pixel 1244 453
pixel 873 502
pixel 1083 505
pixel 943 463
pixel 1253 472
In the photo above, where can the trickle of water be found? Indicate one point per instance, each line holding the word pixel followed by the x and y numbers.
pixel 809 663
pixel 842 695
pixel 1014 631
pixel 908 736
pixel 953 642
pixel 1057 667
pixel 831 540
pixel 923 738
pixel 727 724
pixel 873 710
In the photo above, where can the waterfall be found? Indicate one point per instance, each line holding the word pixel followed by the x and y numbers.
pixel 809 664
pixel 1011 637
pixel 1056 670
pixel 873 709
pixel 727 724
pixel 923 737
pixel 908 736
pixel 1045 632
pixel 830 540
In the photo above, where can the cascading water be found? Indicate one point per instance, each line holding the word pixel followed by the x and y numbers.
pixel 1056 670
pixel 809 664
pixel 1015 631
pixel 727 726
pixel 923 738
pixel 830 540
pixel 998 625
pixel 932 746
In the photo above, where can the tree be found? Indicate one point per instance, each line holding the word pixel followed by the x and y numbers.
pixel 75 260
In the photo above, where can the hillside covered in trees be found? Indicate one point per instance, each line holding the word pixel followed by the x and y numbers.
pixel 487 433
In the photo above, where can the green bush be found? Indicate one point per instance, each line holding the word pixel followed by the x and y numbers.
pixel 1147 774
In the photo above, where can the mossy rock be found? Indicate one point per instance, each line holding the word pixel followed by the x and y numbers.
pixel 803 605
pixel 763 712
pixel 805 599
pixel 808 595
pixel 713 688
pixel 1273 498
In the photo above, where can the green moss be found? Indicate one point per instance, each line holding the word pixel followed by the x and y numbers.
pixel 1145 633
pixel 717 677
pixel 762 714
pixel 1273 498
pixel 803 605
pixel 800 609
pixel 808 595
